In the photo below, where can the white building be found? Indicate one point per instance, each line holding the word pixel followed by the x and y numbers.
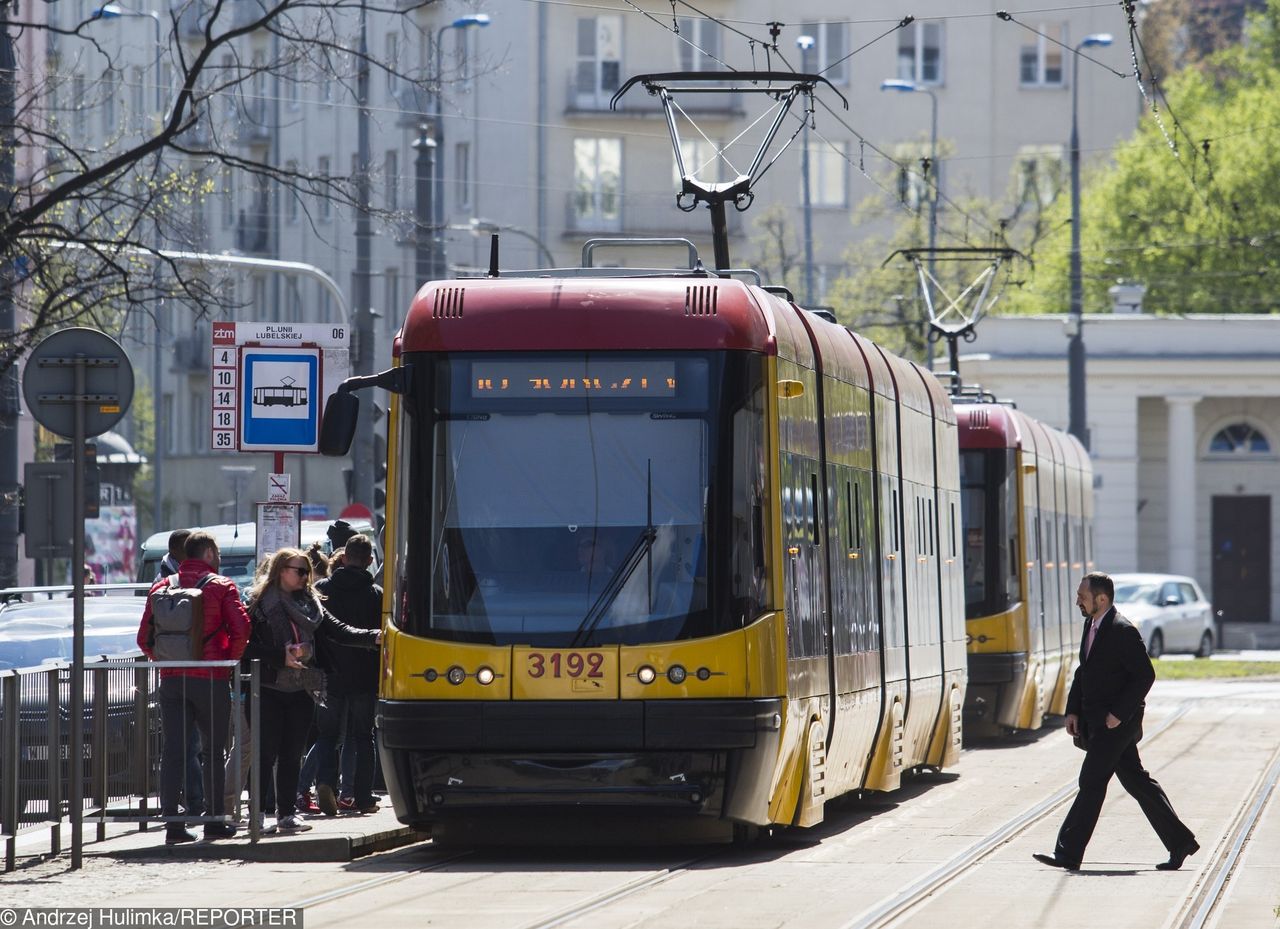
pixel 1184 422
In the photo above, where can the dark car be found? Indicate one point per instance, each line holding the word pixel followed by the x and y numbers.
pixel 36 641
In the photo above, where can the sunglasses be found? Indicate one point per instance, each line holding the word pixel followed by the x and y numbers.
pixel 303 571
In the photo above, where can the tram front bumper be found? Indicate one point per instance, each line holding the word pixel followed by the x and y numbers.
pixel 446 757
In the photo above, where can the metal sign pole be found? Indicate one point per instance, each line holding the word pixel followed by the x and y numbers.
pixel 75 753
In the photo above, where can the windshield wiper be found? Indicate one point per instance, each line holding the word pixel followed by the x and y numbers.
pixel 640 548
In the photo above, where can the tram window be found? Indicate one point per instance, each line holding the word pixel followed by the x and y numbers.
pixel 893 521
pixel 857 521
pixel 848 512
pixel 953 530
pixel 815 522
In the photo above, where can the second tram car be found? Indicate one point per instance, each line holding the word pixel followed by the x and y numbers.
pixel 668 544
pixel 1028 539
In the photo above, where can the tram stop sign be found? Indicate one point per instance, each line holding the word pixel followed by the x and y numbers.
pixel 49 381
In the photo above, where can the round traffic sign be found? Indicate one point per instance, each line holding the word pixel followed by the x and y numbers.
pixel 49 381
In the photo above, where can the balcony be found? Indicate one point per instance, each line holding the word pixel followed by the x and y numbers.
pixel 191 353
pixel 582 101
pixel 647 214
pixel 193 16
pixel 413 102
pixel 253 128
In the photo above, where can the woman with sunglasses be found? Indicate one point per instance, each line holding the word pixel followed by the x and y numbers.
pixel 287 623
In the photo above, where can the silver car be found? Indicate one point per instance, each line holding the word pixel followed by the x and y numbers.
pixel 1170 611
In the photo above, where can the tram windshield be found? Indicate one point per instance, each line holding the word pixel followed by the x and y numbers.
pixel 989 498
pixel 583 499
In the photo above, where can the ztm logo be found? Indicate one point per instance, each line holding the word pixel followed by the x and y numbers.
pixel 225 333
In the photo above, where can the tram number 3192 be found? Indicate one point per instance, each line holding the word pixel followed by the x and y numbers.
pixel 566 664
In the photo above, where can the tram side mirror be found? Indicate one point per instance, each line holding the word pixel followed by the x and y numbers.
pixel 339 425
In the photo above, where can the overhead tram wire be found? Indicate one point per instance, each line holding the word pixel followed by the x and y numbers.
pixel 863 141
pixel 982 14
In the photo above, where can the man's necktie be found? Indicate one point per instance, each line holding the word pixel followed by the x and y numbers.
pixel 1088 639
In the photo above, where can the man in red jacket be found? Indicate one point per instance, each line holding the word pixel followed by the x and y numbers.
pixel 199 696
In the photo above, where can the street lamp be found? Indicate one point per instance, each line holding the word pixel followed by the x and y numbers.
pixel 911 87
pixel 488 227
pixel 439 265
pixel 805 44
pixel 1075 347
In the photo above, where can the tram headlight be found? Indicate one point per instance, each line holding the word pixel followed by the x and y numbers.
pixel 676 674
pixel 485 675
pixel 456 675
pixel 647 675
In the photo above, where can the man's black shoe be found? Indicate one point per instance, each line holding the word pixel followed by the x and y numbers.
pixel 176 834
pixel 1054 861
pixel 1177 858
pixel 219 830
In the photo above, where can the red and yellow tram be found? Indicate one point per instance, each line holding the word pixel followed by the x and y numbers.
pixel 1028 539
pixel 666 544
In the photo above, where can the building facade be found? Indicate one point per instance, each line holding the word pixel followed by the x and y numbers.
pixel 1184 425
pixel 527 141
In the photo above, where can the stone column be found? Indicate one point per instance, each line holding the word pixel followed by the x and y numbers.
pixel 1182 501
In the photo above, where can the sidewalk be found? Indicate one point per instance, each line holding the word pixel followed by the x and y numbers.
pixel 331 838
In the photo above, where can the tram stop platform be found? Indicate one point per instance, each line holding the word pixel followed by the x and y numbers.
pixel 331 838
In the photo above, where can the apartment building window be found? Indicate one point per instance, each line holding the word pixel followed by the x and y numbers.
pixel 292 298
pixel 1040 173
pixel 597 183
pixel 79 106
pixel 462 39
pixel 701 159
pixel 392 61
pixel 199 430
pixel 290 195
pixel 1040 60
pixel 828 175
pixel 326 205
pixel 462 174
pixel 830 46
pixel 599 69
pixel 391 179
pixel 228 197
pixel 137 97
pixel 258 303
pixel 108 103
pixel 229 96
pixel 392 311
pixel 289 82
pixel 704 34
pixel 168 422
pixel 920 53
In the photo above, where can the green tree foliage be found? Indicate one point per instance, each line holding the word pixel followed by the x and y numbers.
pixel 1200 228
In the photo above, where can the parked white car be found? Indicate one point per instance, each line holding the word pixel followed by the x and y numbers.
pixel 1170 611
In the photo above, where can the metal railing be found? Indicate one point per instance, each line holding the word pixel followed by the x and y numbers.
pixel 121 754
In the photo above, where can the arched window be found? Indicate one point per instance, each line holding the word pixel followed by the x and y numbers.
pixel 1239 439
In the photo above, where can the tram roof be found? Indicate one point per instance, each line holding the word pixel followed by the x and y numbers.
pixel 550 314
pixel 993 425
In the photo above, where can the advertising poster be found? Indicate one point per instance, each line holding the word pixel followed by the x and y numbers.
pixel 111 545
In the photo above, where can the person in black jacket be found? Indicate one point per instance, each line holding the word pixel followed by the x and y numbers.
pixel 1104 716
pixel 294 636
pixel 351 595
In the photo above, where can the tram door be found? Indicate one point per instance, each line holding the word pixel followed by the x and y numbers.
pixel 1242 558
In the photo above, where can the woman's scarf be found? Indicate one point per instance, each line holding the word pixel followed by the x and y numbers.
pixel 294 618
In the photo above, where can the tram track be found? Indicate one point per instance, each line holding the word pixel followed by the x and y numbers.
pixel 339 893
pixel 1215 878
pixel 557 918
pixel 890 909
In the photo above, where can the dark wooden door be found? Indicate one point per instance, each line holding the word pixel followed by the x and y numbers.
pixel 1242 559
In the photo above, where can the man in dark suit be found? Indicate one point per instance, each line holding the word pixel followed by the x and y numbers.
pixel 1104 716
